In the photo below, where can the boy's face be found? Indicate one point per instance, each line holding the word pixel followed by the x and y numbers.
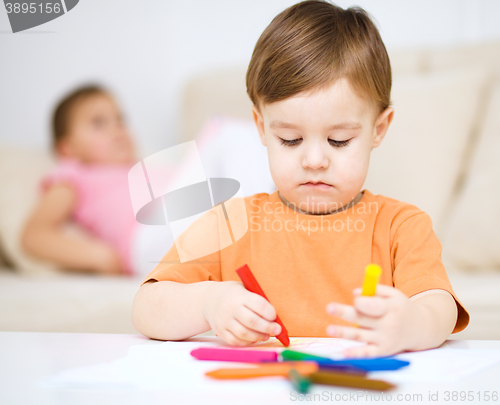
pixel 97 133
pixel 321 136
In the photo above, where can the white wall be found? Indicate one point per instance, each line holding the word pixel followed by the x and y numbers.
pixel 146 50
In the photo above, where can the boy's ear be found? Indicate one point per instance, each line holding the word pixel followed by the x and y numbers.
pixel 382 125
pixel 259 122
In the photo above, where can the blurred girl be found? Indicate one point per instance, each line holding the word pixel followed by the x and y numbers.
pixel 90 187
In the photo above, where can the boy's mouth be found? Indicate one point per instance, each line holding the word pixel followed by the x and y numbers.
pixel 317 184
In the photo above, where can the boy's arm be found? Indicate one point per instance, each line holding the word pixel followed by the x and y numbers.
pixel 167 310
pixel 437 318
pixel 45 238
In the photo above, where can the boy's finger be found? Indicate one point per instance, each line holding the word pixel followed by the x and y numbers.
pixel 255 322
pixel 228 336
pixel 244 333
pixel 368 350
pixel 386 291
pixel 371 306
pixel 343 311
pixel 348 332
pixel 350 314
pixel 260 306
pixel 381 290
pixel 357 291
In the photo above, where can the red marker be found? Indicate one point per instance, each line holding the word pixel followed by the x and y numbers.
pixel 252 285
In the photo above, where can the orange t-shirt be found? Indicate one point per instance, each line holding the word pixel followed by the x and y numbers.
pixel 303 262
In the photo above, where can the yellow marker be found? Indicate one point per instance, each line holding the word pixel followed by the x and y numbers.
pixel 372 275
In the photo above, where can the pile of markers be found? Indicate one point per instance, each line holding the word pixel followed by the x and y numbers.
pixel 302 369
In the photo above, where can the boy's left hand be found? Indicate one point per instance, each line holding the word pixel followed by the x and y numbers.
pixel 386 322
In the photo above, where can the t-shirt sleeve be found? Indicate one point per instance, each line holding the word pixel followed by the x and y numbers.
pixel 195 255
pixel 66 172
pixel 416 255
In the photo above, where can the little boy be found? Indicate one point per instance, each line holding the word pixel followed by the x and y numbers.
pixel 320 82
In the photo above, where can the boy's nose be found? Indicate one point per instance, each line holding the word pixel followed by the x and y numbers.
pixel 315 158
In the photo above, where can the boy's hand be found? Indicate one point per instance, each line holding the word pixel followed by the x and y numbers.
pixel 238 316
pixel 385 321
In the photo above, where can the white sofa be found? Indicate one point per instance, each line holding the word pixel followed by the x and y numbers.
pixel 440 154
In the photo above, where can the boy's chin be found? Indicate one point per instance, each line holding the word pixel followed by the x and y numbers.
pixel 313 204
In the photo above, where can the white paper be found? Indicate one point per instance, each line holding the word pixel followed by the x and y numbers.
pixel 169 366
pixel 440 365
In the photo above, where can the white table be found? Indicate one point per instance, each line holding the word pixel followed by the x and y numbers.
pixel 28 358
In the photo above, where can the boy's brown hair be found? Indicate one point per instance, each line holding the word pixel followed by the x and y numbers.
pixel 61 118
pixel 313 43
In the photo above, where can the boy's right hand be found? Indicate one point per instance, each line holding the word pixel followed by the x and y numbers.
pixel 238 316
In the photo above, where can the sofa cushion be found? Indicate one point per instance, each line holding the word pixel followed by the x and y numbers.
pixel 214 92
pixel 472 240
pixel 2 260
pixel 421 155
pixel 486 54
pixel 407 60
pixel 75 303
pixel 20 172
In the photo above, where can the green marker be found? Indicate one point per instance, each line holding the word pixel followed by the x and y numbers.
pixel 292 355
pixel 300 383
pixel 339 366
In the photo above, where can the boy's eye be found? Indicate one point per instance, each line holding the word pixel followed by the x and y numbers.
pixel 332 142
pixel 292 142
pixel 339 144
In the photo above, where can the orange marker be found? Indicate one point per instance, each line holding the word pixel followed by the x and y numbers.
pixel 252 285
pixel 265 370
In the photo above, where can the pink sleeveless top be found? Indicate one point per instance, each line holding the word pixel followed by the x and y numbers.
pixel 103 205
